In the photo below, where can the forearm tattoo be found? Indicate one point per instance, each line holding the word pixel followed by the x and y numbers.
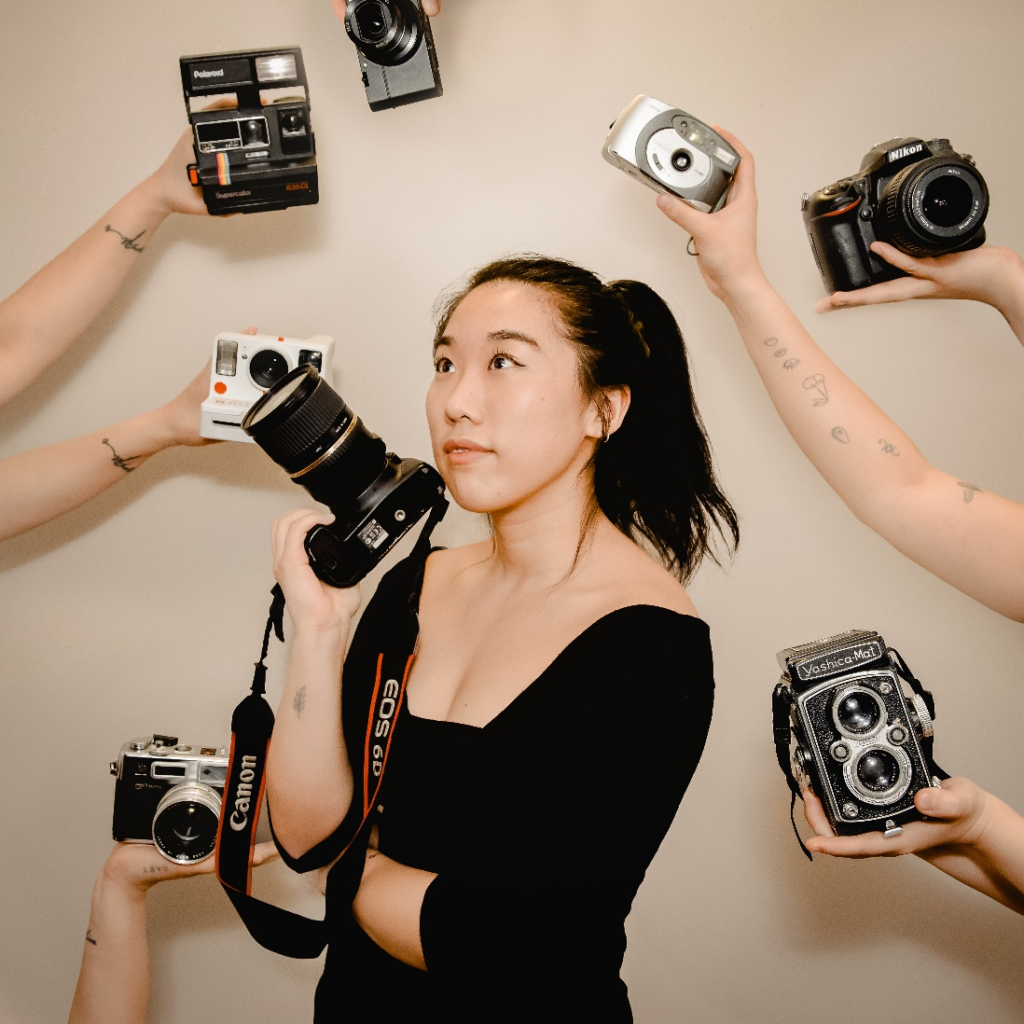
pixel 129 243
pixel 299 703
pixel 89 938
pixel 118 461
pixel 791 364
pixel 840 434
pixel 154 869
pixel 969 490
pixel 888 448
pixel 772 341
pixel 816 383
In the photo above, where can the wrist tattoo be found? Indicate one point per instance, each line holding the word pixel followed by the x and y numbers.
pixel 89 938
pixel 779 353
pixel 816 383
pixel 299 703
pixel 118 461
pixel 969 490
pixel 887 448
pixel 128 243
pixel 154 869
pixel 840 434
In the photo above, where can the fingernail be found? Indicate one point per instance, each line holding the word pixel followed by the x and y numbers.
pixel 925 801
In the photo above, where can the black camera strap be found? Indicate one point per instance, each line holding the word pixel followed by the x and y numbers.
pixel 274 928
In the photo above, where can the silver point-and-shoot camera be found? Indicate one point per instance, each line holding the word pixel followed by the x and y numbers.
pixel 669 150
pixel 846 727
pixel 169 794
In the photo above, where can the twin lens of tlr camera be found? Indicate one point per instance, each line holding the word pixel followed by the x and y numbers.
pixel 245 367
pixel 670 150
pixel 169 794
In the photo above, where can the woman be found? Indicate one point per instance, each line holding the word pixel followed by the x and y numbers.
pixel 561 691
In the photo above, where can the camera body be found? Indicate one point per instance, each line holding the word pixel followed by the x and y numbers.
pixel 671 151
pixel 396 51
pixel 245 367
pixel 855 737
pixel 922 197
pixel 169 794
pixel 260 155
pixel 303 424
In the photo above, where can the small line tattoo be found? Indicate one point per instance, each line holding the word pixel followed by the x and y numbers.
pixel 780 352
pixel 154 869
pixel 129 243
pixel 371 854
pixel 772 341
pixel 887 448
pixel 791 364
pixel 969 490
pixel 299 703
pixel 89 938
pixel 840 434
pixel 816 382
pixel 118 461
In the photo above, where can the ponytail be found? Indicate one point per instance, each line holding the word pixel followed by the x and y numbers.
pixel 653 477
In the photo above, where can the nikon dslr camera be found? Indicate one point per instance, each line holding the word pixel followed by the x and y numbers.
pixel 921 197
pixel 845 727
pixel 169 794
pixel 259 155
pixel 396 51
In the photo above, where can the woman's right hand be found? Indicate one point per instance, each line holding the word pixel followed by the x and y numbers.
pixel 725 241
pixel 314 607
pixel 987 274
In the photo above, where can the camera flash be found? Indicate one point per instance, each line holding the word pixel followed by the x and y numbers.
pixel 277 68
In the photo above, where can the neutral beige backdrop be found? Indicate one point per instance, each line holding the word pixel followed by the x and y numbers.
pixel 144 610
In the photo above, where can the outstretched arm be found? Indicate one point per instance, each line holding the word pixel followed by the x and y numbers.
pixel 969 537
pixel 970 834
pixel 988 274
pixel 113 984
pixel 49 312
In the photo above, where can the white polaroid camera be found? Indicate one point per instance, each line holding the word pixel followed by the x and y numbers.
pixel 245 367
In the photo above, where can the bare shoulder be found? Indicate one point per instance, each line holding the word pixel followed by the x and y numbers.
pixel 445 564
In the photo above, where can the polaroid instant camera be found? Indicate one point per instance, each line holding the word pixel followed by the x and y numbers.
pixel 669 150
pixel 260 154
pixel 245 367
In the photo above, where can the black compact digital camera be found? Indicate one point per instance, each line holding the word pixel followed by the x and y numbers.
pixel 259 154
pixel 303 424
pixel 845 727
pixel 396 51
pixel 921 197
pixel 169 794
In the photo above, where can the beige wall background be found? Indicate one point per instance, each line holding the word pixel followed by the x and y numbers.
pixel 144 610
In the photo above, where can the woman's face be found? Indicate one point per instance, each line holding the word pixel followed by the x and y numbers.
pixel 508 420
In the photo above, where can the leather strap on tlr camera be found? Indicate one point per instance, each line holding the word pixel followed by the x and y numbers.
pixel 274 928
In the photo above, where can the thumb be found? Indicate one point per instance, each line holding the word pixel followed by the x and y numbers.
pixel 680 212
pixel 892 255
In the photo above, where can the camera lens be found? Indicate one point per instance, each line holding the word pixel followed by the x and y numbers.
pixel 267 367
pixel 947 201
pixel 372 21
pixel 878 771
pixel 185 823
pixel 934 206
pixel 681 160
pixel 306 428
pixel 857 712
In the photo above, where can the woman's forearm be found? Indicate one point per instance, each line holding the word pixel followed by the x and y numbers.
pixel 309 779
pixel 113 985
pixel 47 313
pixel 971 538
pixel 40 485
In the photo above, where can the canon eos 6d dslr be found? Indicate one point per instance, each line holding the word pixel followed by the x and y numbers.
pixel 921 197
pixel 303 424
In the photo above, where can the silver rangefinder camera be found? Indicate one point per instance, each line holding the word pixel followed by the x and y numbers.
pixel 245 367
pixel 169 794
pixel 846 727
pixel 670 150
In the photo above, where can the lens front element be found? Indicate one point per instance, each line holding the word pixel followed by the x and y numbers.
pixel 858 712
pixel 185 823
pixel 267 367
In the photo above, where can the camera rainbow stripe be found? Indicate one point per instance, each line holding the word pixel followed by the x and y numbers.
pixel 223 169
